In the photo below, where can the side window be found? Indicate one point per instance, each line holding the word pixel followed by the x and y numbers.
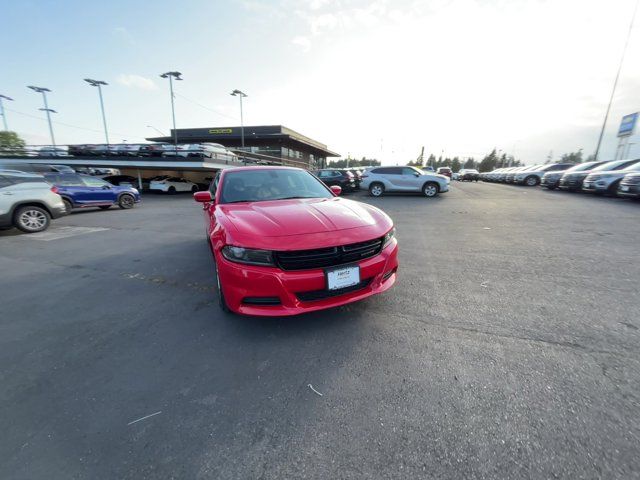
pixel 4 182
pixel 68 180
pixel 94 182
pixel 408 171
pixel 33 179
pixel 324 174
pixel 393 171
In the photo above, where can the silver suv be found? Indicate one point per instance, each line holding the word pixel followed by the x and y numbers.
pixel 379 180
pixel 27 201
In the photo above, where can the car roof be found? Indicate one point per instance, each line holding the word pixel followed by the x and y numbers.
pixel 19 173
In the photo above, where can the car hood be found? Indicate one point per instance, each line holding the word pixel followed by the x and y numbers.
pixel 300 224
pixel 555 172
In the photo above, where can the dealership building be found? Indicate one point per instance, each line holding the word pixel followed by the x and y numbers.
pixel 275 142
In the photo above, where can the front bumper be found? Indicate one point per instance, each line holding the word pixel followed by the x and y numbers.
pixel 550 182
pixel 243 282
pixel 630 191
pixel 594 187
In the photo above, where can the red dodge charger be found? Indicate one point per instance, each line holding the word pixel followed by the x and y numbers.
pixel 286 244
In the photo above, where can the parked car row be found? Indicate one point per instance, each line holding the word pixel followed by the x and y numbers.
pixel 618 177
pixel 197 150
pixel 29 201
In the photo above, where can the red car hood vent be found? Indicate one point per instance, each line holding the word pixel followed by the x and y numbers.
pixel 299 216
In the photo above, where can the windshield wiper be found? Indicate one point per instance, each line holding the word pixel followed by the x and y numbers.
pixel 291 197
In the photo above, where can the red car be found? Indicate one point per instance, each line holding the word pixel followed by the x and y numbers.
pixel 285 244
pixel 445 171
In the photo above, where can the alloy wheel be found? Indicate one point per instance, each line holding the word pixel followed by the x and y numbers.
pixel 33 220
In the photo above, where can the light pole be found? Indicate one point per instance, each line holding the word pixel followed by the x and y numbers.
pixel 171 76
pixel 4 115
pixel 238 93
pixel 46 108
pixel 99 83
pixel 615 82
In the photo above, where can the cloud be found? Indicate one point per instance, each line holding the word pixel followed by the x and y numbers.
pixel 136 81
pixel 124 35
pixel 302 42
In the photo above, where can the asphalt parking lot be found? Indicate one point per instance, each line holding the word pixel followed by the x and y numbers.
pixel 509 348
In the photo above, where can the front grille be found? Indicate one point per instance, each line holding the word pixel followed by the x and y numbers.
pixel 328 257
pixel 631 181
pixel 322 294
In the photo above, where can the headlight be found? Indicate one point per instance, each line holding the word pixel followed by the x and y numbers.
pixel 388 237
pixel 248 256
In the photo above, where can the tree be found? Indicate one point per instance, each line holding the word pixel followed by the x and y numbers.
pixel 470 163
pixel 455 164
pixel 572 157
pixel 364 162
pixel 11 141
pixel 489 162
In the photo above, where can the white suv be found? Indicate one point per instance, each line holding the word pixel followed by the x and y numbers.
pixel 379 180
pixel 28 202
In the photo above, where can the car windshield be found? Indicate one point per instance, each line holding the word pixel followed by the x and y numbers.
pixel 581 167
pixel 270 184
pixel 619 165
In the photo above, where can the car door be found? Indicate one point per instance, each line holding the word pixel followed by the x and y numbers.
pixel 410 180
pixel 183 185
pixel 393 175
pixel 98 191
pixel 70 186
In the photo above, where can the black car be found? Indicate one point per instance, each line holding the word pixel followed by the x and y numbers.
pixel 630 186
pixel 344 179
pixel 468 174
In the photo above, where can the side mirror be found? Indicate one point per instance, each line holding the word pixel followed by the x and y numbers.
pixel 106 187
pixel 336 189
pixel 416 174
pixel 202 197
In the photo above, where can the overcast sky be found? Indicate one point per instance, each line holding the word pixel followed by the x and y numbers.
pixel 369 78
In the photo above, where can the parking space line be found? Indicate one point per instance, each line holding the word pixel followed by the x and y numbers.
pixel 58 233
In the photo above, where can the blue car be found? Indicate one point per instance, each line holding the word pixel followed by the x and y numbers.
pixel 83 191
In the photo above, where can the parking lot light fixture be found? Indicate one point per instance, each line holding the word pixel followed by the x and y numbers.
pixel 2 112
pixel 171 76
pixel 239 93
pixel 99 83
pixel 46 108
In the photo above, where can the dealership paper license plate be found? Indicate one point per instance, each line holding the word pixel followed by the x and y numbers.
pixel 343 277
pixel 624 188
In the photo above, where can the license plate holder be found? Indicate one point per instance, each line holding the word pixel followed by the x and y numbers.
pixel 342 277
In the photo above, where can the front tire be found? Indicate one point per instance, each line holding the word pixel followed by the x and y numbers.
pixel 32 219
pixel 171 191
pixel 376 189
pixel 430 189
pixel 126 201
pixel 68 206
pixel 194 189
pixel 531 181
